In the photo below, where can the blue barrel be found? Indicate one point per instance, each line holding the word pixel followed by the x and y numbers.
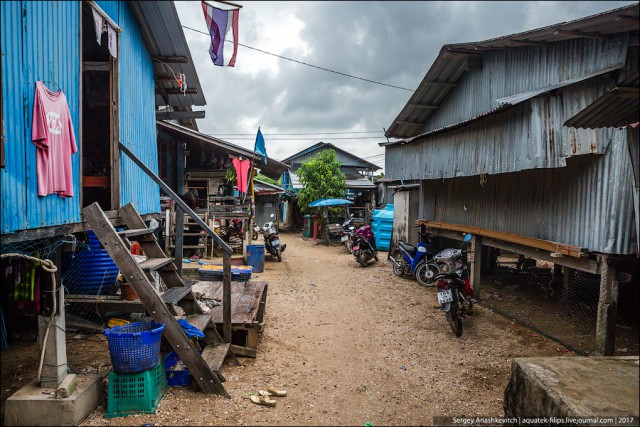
pixel 255 257
pixel 90 271
pixel 382 227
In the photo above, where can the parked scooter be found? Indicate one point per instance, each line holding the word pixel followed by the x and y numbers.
pixel 348 233
pixel 417 260
pixel 272 241
pixel 364 245
pixel 455 295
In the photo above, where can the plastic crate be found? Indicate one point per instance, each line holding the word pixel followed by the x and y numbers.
pixel 136 393
pixel 213 272
pixel 176 377
pixel 134 347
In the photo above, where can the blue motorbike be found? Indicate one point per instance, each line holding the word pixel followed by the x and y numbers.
pixel 417 260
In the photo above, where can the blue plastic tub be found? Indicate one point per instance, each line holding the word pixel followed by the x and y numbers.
pixel 255 257
pixel 134 347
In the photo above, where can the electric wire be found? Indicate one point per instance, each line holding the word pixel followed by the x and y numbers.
pixel 307 64
pixel 300 133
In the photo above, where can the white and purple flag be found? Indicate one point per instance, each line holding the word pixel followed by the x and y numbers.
pixel 218 22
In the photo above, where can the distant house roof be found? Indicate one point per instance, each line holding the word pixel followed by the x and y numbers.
pixel 273 169
pixel 353 183
pixel 454 60
pixel 263 188
pixel 320 146
pixel 162 33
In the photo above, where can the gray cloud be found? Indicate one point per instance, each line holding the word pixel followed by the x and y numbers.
pixel 391 42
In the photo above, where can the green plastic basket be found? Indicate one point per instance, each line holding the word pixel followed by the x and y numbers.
pixel 136 393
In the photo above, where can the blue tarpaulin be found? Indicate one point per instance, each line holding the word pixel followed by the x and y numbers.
pixel 329 202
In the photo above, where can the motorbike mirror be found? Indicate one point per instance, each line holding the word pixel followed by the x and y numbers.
pixel 467 237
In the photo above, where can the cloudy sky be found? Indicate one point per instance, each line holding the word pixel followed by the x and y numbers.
pixel 392 42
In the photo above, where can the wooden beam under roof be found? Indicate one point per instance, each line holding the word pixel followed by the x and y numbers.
pixel 628 18
pixel 179 115
pixel 171 59
pixel 434 82
pixel 160 91
pixel 407 122
pixel 583 34
pixel 626 92
pixel 421 105
pixel 522 42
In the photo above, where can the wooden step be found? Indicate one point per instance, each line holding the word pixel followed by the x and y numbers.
pixel 174 295
pixel 152 264
pixel 215 355
pixel 200 321
pixel 135 232
pixel 189 246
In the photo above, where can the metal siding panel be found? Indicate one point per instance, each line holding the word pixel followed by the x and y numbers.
pixel 507 73
pixel 137 117
pixel 587 204
pixel 54 56
pixel 110 8
pixel 13 174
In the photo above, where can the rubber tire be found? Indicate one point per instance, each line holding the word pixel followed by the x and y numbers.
pixel 361 259
pixel 420 273
pixel 375 255
pixel 453 316
pixel 398 271
pixel 278 254
pixel 349 245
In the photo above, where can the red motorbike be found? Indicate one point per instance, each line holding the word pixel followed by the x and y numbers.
pixel 364 245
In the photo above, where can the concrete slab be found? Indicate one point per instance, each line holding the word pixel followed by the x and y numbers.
pixel 36 406
pixel 573 387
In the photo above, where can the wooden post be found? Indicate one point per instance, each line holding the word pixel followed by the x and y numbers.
pixel 607 309
pixel 475 260
pixel 567 276
pixel 179 239
pixel 226 297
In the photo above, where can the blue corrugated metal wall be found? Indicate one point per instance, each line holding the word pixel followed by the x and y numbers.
pixel 33 48
pixel 27 57
pixel 137 116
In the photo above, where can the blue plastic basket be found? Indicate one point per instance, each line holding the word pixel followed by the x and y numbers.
pixel 134 347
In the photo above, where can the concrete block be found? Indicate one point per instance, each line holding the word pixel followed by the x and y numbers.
pixel 35 406
pixel 573 387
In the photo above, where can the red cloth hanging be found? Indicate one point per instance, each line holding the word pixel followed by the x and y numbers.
pixel 242 173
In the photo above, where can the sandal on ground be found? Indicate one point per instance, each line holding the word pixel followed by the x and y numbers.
pixel 272 391
pixel 263 400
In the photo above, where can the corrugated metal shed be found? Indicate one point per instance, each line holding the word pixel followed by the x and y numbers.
pixel 26 58
pixel 344 157
pixel 456 60
pixel 586 204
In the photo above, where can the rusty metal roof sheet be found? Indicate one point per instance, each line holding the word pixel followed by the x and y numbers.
pixel 453 61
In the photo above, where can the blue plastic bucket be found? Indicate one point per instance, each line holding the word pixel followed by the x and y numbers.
pixel 255 257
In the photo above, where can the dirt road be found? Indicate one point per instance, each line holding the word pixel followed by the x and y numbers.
pixel 353 345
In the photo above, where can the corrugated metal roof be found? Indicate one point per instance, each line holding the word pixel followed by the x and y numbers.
pixel 359 162
pixel 454 61
pixel 356 184
pixel 617 108
pixel 503 104
pixel 265 188
pixel 163 35
pixel 273 168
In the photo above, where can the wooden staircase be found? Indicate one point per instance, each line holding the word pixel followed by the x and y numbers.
pixel 177 300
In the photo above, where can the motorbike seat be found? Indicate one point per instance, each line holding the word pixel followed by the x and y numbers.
pixel 409 248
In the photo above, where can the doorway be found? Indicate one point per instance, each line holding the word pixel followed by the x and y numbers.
pixel 100 171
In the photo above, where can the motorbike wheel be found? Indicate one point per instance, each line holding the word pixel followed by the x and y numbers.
pixel 397 270
pixel 278 254
pixel 349 245
pixel 453 316
pixel 362 259
pixel 425 272
pixel 375 255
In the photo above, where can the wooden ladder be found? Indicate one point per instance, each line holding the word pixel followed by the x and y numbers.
pixel 162 307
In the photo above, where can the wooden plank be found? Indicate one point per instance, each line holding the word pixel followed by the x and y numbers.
pixel 607 310
pixel 135 232
pixel 215 355
pixel 240 350
pixel 554 247
pixel 152 264
pixel 226 296
pixel 105 306
pixel 217 313
pixel 113 244
pixel 249 305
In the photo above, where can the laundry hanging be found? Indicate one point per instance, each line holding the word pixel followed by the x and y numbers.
pixel 242 173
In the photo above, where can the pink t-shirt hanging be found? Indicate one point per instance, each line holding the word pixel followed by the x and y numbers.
pixel 52 133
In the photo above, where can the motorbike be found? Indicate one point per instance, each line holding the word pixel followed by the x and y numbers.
pixel 348 233
pixel 455 295
pixel 272 240
pixel 417 260
pixel 364 245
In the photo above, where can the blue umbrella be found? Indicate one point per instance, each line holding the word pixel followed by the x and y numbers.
pixel 329 202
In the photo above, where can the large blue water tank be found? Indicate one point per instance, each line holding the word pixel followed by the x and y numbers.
pixel 382 226
pixel 90 271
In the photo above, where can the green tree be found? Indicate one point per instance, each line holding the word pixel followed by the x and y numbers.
pixel 321 178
